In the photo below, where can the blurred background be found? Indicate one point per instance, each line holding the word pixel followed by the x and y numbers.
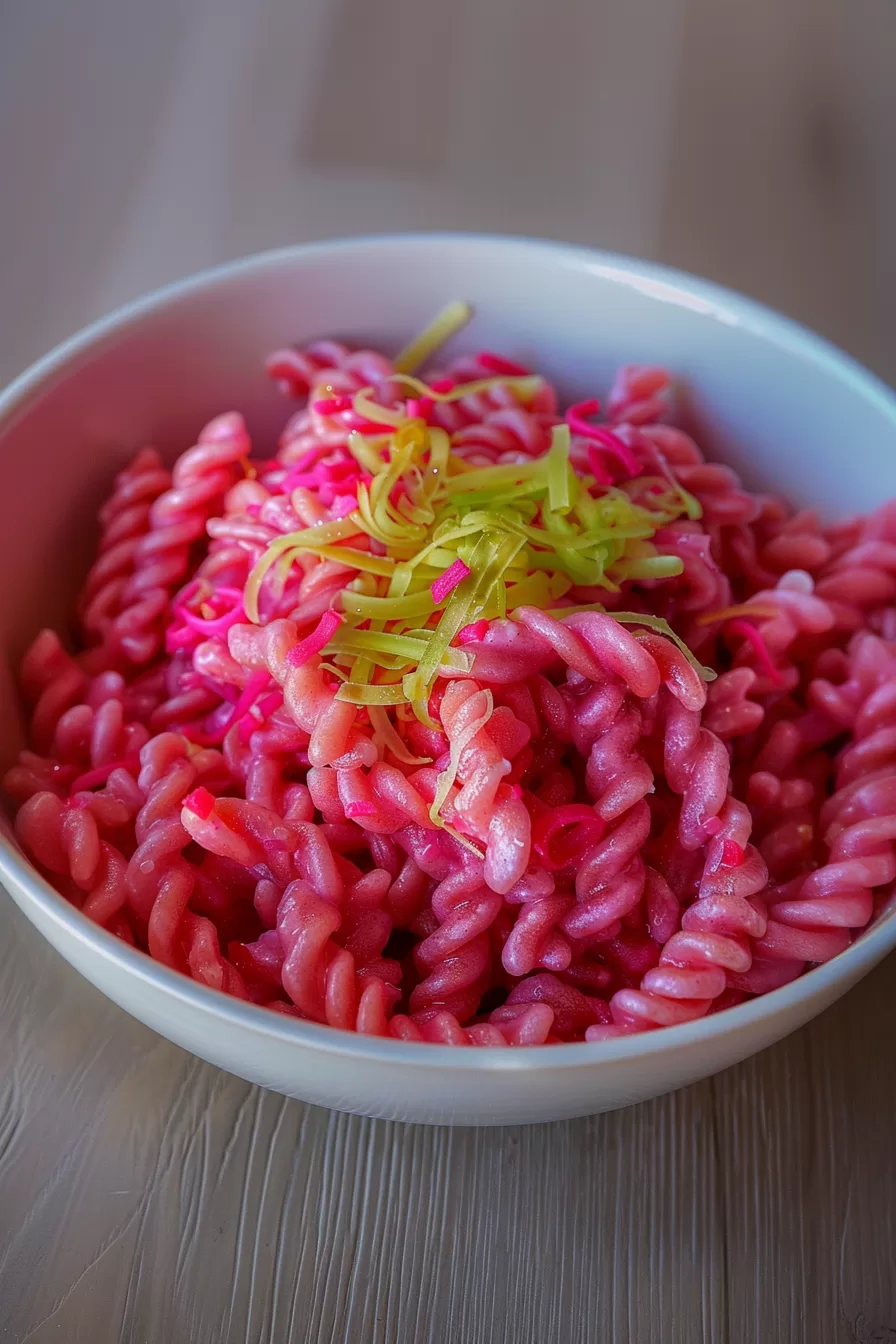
pixel 746 141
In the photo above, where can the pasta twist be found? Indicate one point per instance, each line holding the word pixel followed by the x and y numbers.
pixel 533 940
pixel 610 879
pixel 454 416
pixel 159 879
pixel 299 369
pixel 91 746
pixel 860 583
pixel 573 1009
pixel 52 682
pixel 701 586
pixel 125 521
pixel 320 977
pixel 381 801
pixel 696 767
pixel 507 435
pixel 797 544
pixel 617 776
pixel 65 839
pixel 455 959
pixel 162 883
pixel 177 518
pixel 331 724
pixel 730 709
pixel 810 917
pixel 639 395
pixel 722 501
pixel 711 948
pixel 482 807
pixel 527 1024
pixel 329 374
pixel 781 616
pixel 367 925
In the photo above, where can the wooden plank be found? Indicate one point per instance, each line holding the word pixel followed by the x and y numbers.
pixel 808 1176
pixel 768 182
pixel 80 86
pixel 197 132
pixel 869 51
pixel 376 103
pixel 757 1206
pixel 163 1199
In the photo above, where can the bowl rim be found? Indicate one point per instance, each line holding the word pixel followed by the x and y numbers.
pixel 663 283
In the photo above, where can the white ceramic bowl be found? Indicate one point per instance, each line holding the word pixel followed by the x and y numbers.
pixel 785 408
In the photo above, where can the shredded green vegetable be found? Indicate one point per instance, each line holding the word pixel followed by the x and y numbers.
pixel 530 532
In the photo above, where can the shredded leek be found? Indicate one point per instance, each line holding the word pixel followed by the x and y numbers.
pixel 364 453
pixel 444 325
pixel 490 558
pixel 401 649
pixel 530 532
pixel 387 608
pixel 385 737
pixel 363 693
pixel 524 386
pixel 664 628
pixel 459 745
pixel 311 538
pixel 655 623
pixel 363 560
pixel 371 410
pixel 558 470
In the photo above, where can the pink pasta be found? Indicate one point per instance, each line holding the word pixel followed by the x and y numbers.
pixel 466 717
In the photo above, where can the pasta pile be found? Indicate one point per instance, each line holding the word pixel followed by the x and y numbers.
pixel 465 717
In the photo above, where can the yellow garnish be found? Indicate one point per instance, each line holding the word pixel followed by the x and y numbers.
pixel 491 557
pixel 310 538
pixel 446 324
pixel 649 567
pixel 352 559
pixel 537 590
pixel 364 453
pixel 530 533
pixel 462 840
pixel 339 673
pixel 692 506
pixel 558 470
pixel 398 650
pixel 362 693
pixel 525 386
pixel 378 415
pixel 386 738
pixel 742 609
pixel 387 608
pixel 459 745
pixel 652 622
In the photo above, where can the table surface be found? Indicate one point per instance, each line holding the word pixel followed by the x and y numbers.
pixel 145 1196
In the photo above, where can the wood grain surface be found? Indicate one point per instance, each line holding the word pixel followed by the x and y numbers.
pixel 147 1198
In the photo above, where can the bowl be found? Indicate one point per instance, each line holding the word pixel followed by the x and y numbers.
pixel 782 406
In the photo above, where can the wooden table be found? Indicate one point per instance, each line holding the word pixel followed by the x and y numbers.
pixel 145 1196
